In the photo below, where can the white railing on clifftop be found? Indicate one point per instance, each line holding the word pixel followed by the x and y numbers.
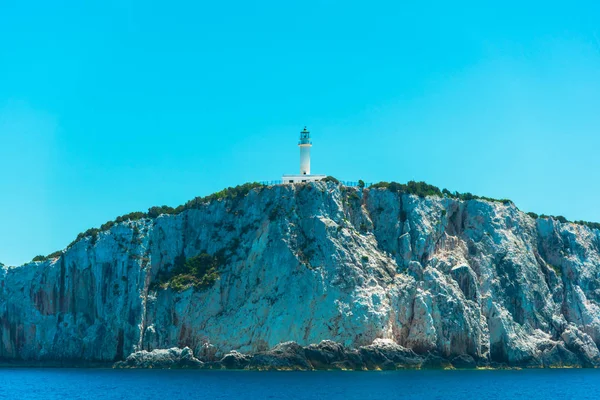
pixel 344 183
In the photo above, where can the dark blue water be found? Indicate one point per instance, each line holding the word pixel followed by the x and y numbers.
pixel 89 384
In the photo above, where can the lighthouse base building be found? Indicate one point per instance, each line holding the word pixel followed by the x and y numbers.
pixel 301 178
pixel 304 144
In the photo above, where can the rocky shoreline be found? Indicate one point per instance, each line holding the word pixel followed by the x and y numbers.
pixel 327 355
pixel 382 355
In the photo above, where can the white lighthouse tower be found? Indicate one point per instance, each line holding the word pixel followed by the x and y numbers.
pixel 305 144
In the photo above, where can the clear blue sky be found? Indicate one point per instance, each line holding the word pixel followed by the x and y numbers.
pixel 108 107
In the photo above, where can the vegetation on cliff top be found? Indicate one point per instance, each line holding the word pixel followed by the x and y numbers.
pixel 421 189
pixel 561 219
pixel 50 256
pixel 153 212
pixel 330 179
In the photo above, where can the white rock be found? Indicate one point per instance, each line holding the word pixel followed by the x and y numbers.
pixel 307 263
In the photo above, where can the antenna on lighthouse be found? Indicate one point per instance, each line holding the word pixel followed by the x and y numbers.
pixel 305 146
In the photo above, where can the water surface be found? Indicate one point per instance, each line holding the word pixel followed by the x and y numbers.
pixel 88 384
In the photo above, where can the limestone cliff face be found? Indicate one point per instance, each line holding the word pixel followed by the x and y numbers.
pixel 319 261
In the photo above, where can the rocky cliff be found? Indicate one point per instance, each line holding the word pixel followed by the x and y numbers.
pixel 436 277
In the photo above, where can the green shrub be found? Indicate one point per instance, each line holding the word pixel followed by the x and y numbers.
pixel 93 236
pixel 330 179
pixel 380 185
pixel 275 212
pixel 154 212
pixel 181 282
pixel 423 189
pixel 56 254
pixel 91 233
pixel 558 218
pixel 557 270
pixel 533 215
pixel 353 196
pixel 466 196
pixel 134 216
pixel 106 226
pixel 395 187
pixel 361 183
pixel 591 225
pixel 50 256
pixel 561 219
pixel 420 189
pixel 200 271
pixel 364 259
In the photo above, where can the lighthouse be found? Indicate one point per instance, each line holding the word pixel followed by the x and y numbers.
pixel 304 144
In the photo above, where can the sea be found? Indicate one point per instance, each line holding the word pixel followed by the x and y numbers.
pixel 89 384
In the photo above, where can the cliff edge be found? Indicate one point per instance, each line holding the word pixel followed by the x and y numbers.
pixel 430 277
